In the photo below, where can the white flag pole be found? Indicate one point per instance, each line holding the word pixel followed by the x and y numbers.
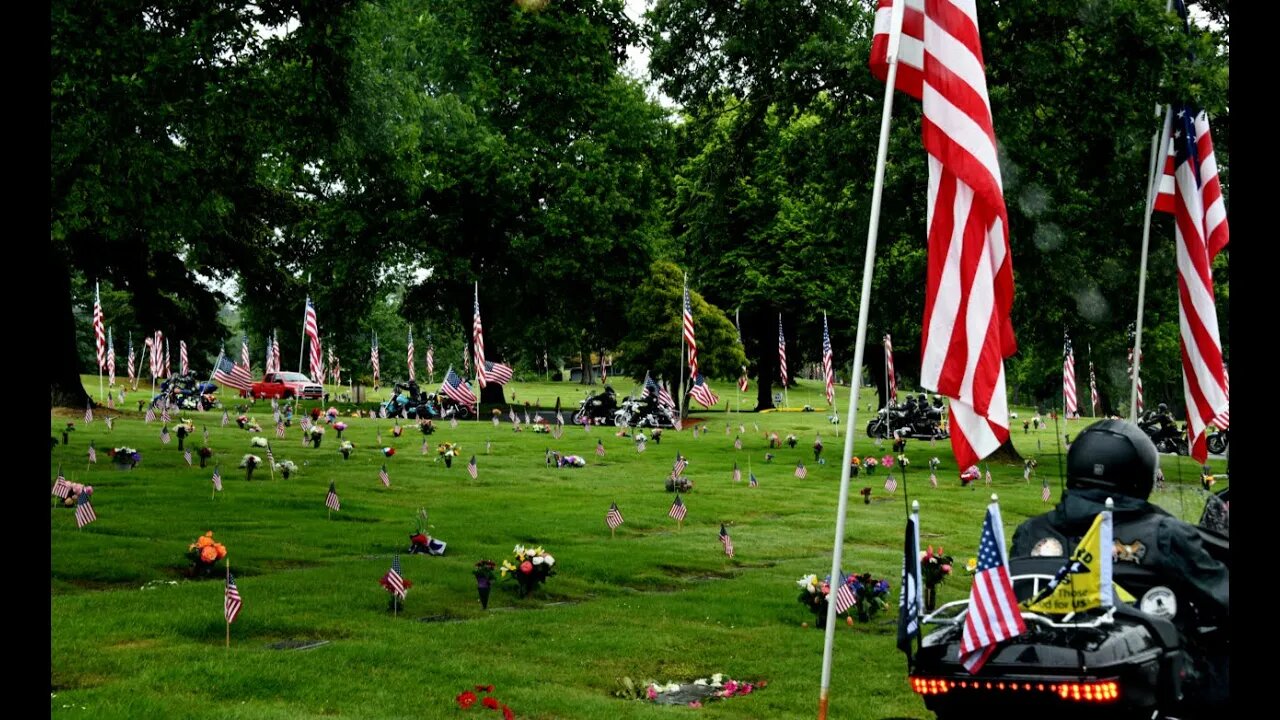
pixel 1159 149
pixel 684 348
pixel 864 307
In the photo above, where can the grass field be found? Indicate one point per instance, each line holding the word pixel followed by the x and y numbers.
pixel 133 636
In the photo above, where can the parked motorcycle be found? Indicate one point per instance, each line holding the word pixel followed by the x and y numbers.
pixel 914 419
pixel 597 409
pixel 643 412
pixel 1219 442
pixel 186 393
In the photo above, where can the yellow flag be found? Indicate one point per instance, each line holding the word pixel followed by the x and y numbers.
pixel 1085 581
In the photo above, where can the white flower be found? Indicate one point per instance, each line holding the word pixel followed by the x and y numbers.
pixel 549 560
pixel 258 442
pixel 717 678
pixel 672 687
pixel 808 582
pixel 537 560
pixel 700 681
pixel 518 550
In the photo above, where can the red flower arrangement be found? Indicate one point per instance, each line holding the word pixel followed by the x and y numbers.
pixel 466 699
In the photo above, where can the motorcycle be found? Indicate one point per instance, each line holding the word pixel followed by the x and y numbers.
pixel 641 413
pixel 1219 442
pixel 597 409
pixel 1160 657
pixel 408 403
pixel 1164 434
pixel 186 393
pixel 919 421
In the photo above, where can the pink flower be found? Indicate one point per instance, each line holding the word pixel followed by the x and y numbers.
pixel 695 704
pixel 730 688
pixel 653 694
pixel 526 567
pixel 746 689
pixel 946 569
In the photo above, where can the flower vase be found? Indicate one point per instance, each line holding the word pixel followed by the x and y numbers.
pixel 64 437
pixel 483 588
pixel 871 469
pixel 820 618
pixel 448 461
pixel 202 460
pixel 817 454
pixel 181 438
pixel 930 598
pixel 284 472
pixel 346 454
pixel 248 473
pixel 339 434
pixel 315 442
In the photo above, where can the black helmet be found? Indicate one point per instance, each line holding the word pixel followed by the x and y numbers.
pixel 1162 408
pixel 1113 455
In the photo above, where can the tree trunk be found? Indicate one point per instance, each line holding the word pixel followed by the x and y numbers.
pixel 63 363
pixel 587 377
pixel 491 394
pixel 1006 453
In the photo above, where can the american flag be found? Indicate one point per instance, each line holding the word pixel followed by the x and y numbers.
pixel 164 435
pixel 88 412
pixel 93 453
pixel 1069 378
pixel 331 499
pixel 164 411
pixel 275 353
pixel 431 358
pixel 61 487
pixel 689 336
pixel 477 341
pixel 891 484
pixel 133 372
pixel 226 418
pixel 680 464
pixel 1201 230
pixel 969 290
pixel 752 481
pixel 1093 389
pixel 183 363
pixel 737 443
pixel 271 458
pixel 641 447
pixel 84 510
pixel 702 392
pixel 511 413
pixel 495 421
pixel 678 509
pixel 111 360
pixel 743 381
pixel 186 455
pixel 613 518
pixel 828 372
pixel 99 330
pixel 266 365
pixel 782 353
pixel 600 448
pixel 457 390
pixel 167 371
pixel 393 580
pixel 888 365
pixel 472 469
pixel 280 428
pixel 987 477
pixel 993 609
pixel 1223 420
pixel 933 480
pixel 311 326
pixel 413 375
pixel 726 541
pixel 244 351
pixel 373 358
pixel 496 372
pixel 231 600
pixel 453 422
pixel 110 421
pixel 604 368
pixel 231 375
pixel 737 473
pixel 384 477
pixel 801 471
pixel 845 598
pixel 217 478
pixel 1044 491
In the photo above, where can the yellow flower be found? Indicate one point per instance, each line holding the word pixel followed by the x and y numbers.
pixel 971 565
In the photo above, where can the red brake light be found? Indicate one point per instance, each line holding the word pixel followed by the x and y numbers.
pixel 1099 691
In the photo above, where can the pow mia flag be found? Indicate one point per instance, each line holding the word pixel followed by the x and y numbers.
pixel 909 601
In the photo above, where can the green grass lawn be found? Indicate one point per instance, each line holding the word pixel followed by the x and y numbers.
pixel 133 636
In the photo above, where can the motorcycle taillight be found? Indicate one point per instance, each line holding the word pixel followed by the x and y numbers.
pixel 1098 691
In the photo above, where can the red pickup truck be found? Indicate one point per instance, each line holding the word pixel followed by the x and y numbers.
pixel 285 385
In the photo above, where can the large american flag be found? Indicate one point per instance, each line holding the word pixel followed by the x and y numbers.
pixel 231 600
pixel 497 373
pixel 312 328
pixel 393 580
pixel 111 359
pixel 413 375
pixel 231 375
pixel 993 609
pixel 828 372
pixel 431 359
pixel 1069 378
pixel 888 365
pixel 183 364
pixel 726 541
pixel 133 372
pixel 168 371
pixel 1093 389
pixel 275 353
pixel 454 387
pixel 244 351
pixel 613 518
pixel 690 338
pixel 383 476
pixel 1223 421
pixel 373 358
pixel 1201 231
pixel 1140 402
pixel 477 342
pixel 678 509
pixel 969 290
pixel 99 330
pixel 782 353
pixel 702 392
pixel 84 510
pixel 331 499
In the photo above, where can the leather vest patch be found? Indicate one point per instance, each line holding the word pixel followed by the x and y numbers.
pixel 1132 552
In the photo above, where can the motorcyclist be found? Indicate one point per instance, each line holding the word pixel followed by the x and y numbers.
pixel 1114 459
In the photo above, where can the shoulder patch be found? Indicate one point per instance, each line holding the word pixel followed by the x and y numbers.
pixel 1131 552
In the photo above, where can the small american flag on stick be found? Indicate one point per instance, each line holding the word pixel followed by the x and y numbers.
pixel 217 478
pixel 613 518
pixel 891 484
pixel 472 469
pixel 186 455
pixel 279 429
pixel 393 581
pixel 845 598
pixel 88 413
pixel 1044 491
pixel 678 509
pixel 61 487
pixel 84 510
pixel 383 476
pixel 231 601
pixel 600 448
pixel 93 453
pixel 679 466
pixel 331 499
pixel 726 541
pixel 164 435
pixel 801 471
pixel 737 473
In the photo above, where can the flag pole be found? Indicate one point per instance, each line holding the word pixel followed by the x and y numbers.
pixel 1159 149
pixel 224 614
pixel 684 348
pixel 302 346
pixel 864 309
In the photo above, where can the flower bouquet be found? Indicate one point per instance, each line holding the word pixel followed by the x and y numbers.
pixel 532 568
pixel 204 553
pixel 253 426
pixel 866 495
pixel 397 430
pixel 467 699
pixel 872 595
pixel 900 445
pixel 774 442
pixel 345 448
pixel 185 427
pixel 813 595
pixel 679 484
pixel 870 464
pixel 331 415
pixel 317 433
pixel 485 573
pixel 935 567
pixel 315 414
pixel 657 436
pixel 71 427
pixel 250 463
pixel 242 420
pixel 339 427
pixel 969 475
pixel 125 458
pixel 205 453
pixel 286 468
pixel 541 427
pixel 903 461
pixel 73 493
pixel 426 427
pixel 791 441
pixel 887 462
pixel 258 442
pixel 448 451
pixel 388 451
pixel 1029 466
pixel 817 449
pixel 855 466
pixel 692 694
